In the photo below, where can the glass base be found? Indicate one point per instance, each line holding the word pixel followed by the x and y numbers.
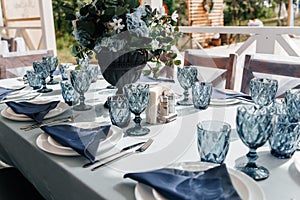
pixel 44 90
pixel 255 172
pixel 281 155
pixel 111 87
pixel 106 105
pixel 136 131
pixel 185 103
pixel 52 82
pixel 36 88
pixel 82 107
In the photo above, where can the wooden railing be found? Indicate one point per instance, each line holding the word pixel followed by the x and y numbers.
pixel 264 37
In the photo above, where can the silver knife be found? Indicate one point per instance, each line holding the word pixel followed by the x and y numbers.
pixel 121 151
pixel 139 150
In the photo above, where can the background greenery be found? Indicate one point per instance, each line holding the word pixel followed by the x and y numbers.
pixel 236 12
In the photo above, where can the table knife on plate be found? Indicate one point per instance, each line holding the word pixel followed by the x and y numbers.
pixel 121 151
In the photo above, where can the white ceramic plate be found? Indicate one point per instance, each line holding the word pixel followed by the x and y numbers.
pixel 10 114
pixel 112 139
pixel 297 164
pixel 224 102
pixel 246 187
pixel 19 93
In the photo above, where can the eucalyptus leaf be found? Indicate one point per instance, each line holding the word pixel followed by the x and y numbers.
pixel 84 10
pixel 110 11
pixel 132 3
pixel 174 55
pixel 121 10
pixel 147 72
pixel 177 62
pixel 155 75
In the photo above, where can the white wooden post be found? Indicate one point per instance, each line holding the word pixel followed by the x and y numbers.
pixel 47 23
pixel 1 16
pixel 290 19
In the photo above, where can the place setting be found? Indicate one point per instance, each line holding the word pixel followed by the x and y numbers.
pixel 208 178
pixel 82 138
pixel 16 93
pixel 33 111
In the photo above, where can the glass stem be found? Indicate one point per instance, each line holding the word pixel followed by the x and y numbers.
pixel 252 156
pixel 186 95
pixel 137 120
pixel 51 78
pixel 81 99
pixel 44 83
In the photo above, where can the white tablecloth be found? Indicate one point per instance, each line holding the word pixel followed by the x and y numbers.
pixel 59 177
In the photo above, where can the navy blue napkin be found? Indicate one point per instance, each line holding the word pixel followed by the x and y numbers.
pixel 214 183
pixel 37 112
pixel 83 141
pixel 6 91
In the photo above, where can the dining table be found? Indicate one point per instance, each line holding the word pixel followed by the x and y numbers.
pixel 58 176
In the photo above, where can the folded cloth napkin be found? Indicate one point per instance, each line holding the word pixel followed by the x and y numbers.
pixel 83 141
pixel 6 91
pixel 214 183
pixel 37 112
pixel 219 94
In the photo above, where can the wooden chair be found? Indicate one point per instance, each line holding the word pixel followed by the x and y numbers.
pixel 14 186
pixel 15 60
pixel 227 63
pixel 270 65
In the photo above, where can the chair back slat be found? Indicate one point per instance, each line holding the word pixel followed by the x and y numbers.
pixel 221 62
pixel 285 67
pixel 17 60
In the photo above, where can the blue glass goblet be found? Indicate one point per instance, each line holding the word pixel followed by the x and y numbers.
pixel 34 79
pixel 80 79
pixel 285 137
pixel 138 97
pixel 292 102
pixel 187 77
pixel 52 61
pixel 263 90
pixel 119 112
pixel 201 94
pixel 254 126
pixel 63 68
pixel 43 69
pixel 94 72
pixel 213 140
pixel 69 94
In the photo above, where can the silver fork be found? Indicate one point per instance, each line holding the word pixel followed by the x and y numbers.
pixel 139 150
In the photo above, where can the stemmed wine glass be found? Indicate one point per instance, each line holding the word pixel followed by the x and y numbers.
pixel 43 69
pixel 254 127
pixel 80 79
pixel 52 61
pixel 187 77
pixel 138 97
pixel 263 90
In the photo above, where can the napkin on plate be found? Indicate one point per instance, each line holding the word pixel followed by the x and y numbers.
pixel 6 91
pixel 84 141
pixel 214 183
pixel 37 112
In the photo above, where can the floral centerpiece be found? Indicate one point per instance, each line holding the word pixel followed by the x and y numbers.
pixel 111 28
